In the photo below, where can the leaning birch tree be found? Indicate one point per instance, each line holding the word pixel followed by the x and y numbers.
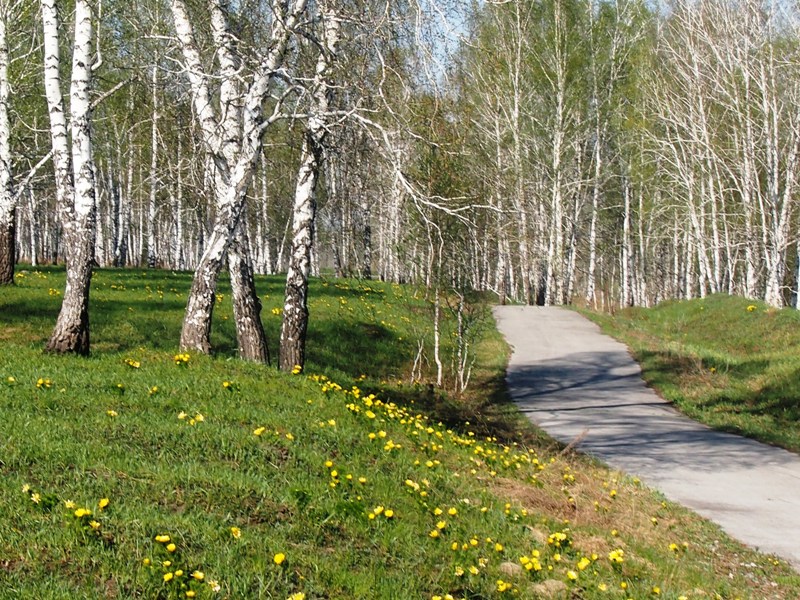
pixel 74 172
pixel 232 132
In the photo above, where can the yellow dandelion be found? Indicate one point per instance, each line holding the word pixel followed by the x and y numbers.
pixel 236 532
pixel 279 558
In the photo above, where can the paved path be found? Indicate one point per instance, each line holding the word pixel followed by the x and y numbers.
pixel 577 383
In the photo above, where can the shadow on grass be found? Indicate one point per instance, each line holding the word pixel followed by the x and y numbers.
pixel 356 348
pixel 730 397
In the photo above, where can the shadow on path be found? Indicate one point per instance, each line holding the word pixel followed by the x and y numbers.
pixel 583 387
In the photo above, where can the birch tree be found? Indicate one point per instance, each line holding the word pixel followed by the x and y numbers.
pixel 7 200
pixel 295 314
pixel 74 172
pixel 232 134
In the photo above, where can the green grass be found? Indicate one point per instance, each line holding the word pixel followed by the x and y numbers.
pixel 239 463
pixel 729 362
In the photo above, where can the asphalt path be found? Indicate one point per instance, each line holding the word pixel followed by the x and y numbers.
pixel 583 387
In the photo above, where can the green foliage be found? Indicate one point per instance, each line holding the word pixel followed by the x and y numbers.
pixel 141 473
pixel 729 362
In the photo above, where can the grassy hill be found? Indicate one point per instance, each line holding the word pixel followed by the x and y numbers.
pixel 143 473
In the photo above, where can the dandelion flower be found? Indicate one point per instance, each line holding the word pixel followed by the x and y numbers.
pixel 259 430
pixel 279 558
pixel 236 532
pixel 163 538
pixel 198 575
pixel 103 503
pixel 168 577
pixel 171 547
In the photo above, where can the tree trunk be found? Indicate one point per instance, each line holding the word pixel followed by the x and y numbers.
pixel 246 303
pixel 71 333
pixel 295 314
pixel 234 139
pixel 7 200
pixel 152 259
pixel 295 310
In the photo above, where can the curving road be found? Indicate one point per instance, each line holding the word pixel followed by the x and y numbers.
pixel 579 384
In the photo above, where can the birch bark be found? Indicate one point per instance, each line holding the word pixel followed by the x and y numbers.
pixel 295 313
pixel 151 199
pixel 76 185
pixel 233 135
pixel 7 200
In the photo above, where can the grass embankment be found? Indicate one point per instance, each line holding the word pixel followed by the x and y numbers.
pixel 729 362
pixel 138 472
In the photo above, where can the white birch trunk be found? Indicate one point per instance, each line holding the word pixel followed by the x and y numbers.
pixel 152 259
pixel 7 199
pixel 236 152
pixel 295 309
pixel 295 315
pixel 71 333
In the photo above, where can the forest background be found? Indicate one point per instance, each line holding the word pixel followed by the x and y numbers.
pixel 606 153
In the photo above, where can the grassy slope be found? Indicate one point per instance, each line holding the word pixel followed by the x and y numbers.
pixel 232 500
pixel 729 362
